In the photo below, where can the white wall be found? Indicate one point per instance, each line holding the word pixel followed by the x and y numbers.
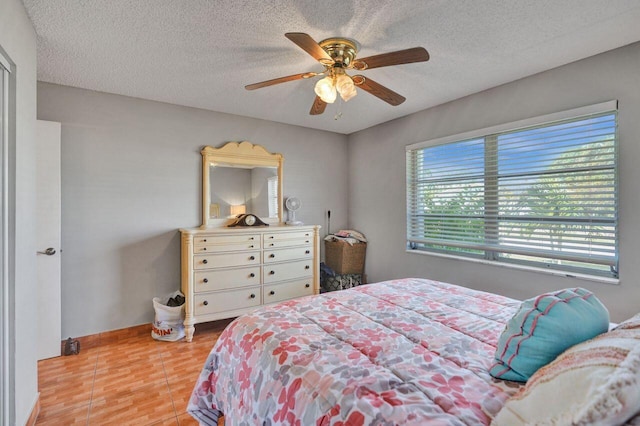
pixel 131 176
pixel 18 39
pixel 377 176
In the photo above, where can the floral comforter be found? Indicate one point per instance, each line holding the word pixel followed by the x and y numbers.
pixel 409 351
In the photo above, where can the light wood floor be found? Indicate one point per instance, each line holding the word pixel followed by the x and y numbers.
pixel 125 378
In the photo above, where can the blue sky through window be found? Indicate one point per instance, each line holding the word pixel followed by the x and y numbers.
pixel 517 149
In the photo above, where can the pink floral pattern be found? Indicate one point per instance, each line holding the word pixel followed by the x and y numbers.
pixel 409 351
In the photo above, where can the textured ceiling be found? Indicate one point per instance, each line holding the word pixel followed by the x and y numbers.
pixel 201 53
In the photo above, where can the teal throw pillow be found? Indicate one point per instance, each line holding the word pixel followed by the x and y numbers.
pixel 543 328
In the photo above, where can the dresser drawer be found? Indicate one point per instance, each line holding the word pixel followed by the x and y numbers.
pixel 225 239
pixel 221 279
pixel 285 291
pixel 286 240
pixel 287 271
pixel 229 247
pixel 212 303
pixel 281 255
pixel 278 236
pixel 225 243
pixel 226 260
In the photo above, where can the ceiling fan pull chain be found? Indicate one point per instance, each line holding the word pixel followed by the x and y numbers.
pixel 339 113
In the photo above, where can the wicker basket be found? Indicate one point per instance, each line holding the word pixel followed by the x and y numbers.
pixel 345 258
pixel 340 282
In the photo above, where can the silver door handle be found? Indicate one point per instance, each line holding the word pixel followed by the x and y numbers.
pixel 49 252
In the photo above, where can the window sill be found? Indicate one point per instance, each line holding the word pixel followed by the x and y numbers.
pixel 586 277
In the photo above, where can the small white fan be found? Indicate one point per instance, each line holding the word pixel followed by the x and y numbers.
pixel 292 204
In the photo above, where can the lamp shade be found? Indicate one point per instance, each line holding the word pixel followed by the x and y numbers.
pixel 326 90
pixel 236 210
pixel 345 87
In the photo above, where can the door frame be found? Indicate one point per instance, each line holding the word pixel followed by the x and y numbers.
pixel 7 237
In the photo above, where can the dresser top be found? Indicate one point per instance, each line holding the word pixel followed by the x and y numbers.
pixel 249 229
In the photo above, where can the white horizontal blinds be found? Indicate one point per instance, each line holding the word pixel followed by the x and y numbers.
pixel 557 190
pixel 543 194
pixel 446 195
pixel 272 193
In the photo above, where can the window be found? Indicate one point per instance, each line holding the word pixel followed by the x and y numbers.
pixel 272 193
pixel 541 193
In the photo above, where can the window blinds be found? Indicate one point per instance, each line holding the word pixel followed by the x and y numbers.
pixel 543 194
pixel 272 193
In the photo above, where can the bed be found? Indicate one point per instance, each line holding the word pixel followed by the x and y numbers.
pixel 409 351
pixel 414 352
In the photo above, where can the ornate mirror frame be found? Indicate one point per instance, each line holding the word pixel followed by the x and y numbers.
pixel 241 154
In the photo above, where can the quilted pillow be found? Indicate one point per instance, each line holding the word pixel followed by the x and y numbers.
pixel 543 328
pixel 595 382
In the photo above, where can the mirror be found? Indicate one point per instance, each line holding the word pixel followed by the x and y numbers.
pixel 233 187
pixel 240 177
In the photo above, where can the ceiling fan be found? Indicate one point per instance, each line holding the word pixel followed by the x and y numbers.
pixel 338 55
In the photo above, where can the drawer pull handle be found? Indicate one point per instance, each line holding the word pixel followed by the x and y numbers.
pixel 271 245
pixel 272 255
pixel 307 252
pixel 251 246
pixel 204 248
pixel 307 285
pixel 205 261
pixel 205 240
pixel 252 275
pixel 253 296
pixel 205 303
pixel 252 258
pixel 307 242
pixel 206 280
pixel 251 239
pixel 272 272
pixel 271 237
pixel 306 266
pixel 272 292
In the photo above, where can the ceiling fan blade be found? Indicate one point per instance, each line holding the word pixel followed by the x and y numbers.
pixel 378 90
pixel 318 106
pixel 280 80
pixel 309 45
pixel 407 56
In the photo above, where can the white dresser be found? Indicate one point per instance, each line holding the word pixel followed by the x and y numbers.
pixel 227 272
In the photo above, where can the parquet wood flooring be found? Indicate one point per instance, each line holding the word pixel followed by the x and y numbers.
pixel 125 377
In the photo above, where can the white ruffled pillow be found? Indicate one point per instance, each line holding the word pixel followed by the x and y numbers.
pixel 594 382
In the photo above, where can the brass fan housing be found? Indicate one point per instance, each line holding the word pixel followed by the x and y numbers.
pixel 341 50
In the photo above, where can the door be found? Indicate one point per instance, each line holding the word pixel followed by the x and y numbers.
pixel 48 238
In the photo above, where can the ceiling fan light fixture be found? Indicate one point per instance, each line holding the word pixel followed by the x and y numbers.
pixel 338 55
pixel 326 90
pixel 345 86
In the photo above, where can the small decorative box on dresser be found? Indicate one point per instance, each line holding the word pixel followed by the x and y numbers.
pixel 227 272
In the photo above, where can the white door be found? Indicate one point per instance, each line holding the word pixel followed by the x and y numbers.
pixel 48 238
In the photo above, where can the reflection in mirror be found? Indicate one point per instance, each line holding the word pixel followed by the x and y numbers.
pixel 237 189
pixel 240 177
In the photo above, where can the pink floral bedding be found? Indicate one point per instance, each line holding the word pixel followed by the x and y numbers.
pixel 409 351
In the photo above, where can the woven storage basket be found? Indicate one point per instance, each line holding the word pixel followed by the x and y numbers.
pixel 345 258
pixel 340 282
